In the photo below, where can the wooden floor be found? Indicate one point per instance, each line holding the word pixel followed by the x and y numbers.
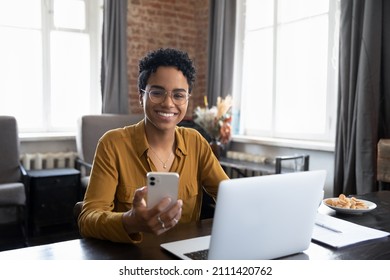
pixel 11 237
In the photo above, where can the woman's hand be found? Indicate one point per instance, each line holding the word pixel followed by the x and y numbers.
pixel 156 220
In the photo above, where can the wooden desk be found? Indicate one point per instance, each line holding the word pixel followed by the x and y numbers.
pixel 104 250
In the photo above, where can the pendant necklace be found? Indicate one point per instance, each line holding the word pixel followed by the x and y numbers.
pixel 164 164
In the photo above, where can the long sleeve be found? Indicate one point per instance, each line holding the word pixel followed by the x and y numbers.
pixel 119 169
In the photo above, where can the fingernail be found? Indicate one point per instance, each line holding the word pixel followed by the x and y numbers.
pixel 168 200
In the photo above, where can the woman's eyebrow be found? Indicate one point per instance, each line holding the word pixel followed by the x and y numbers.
pixel 162 88
pixel 157 86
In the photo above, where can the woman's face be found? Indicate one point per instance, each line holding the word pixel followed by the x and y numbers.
pixel 165 115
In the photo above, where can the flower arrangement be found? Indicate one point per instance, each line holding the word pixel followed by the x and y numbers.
pixel 216 121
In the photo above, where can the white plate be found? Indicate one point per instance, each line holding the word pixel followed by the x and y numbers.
pixel 370 206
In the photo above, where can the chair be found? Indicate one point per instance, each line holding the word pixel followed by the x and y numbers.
pixel 383 164
pixel 12 176
pixel 295 163
pixel 90 129
pixel 77 210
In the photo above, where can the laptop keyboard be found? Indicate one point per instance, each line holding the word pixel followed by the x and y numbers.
pixel 198 255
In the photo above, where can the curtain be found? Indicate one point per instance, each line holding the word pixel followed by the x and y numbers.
pixel 221 49
pixel 114 84
pixel 363 93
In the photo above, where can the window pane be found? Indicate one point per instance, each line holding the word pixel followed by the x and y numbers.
pixel 70 78
pixel 259 14
pixel 257 80
pixel 20 13
pixel 21 76
pixel 292 10
pixel 302 77
pixel 40 69
pixel 285 88
pixel 69 14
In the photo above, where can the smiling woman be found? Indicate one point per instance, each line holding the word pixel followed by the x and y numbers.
pixel 115 203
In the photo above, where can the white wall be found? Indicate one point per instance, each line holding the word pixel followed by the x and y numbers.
pixel 47 145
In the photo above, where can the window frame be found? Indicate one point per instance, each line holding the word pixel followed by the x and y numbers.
pixel 240 134
pixel 93 26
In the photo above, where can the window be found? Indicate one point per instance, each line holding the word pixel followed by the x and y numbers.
pixel 286 69
pixel 50 62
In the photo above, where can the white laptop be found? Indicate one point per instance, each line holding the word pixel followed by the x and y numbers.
pixel 263 217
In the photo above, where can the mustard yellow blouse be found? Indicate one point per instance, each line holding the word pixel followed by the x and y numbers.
pixel 119 168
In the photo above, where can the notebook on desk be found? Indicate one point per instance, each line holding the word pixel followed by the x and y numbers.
pixel 263 217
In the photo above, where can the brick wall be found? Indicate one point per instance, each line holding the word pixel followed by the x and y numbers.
pixel 181 24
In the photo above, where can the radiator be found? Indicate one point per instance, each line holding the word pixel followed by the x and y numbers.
pixel 48 160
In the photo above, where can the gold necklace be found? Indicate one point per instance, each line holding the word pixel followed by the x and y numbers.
pixel 164 163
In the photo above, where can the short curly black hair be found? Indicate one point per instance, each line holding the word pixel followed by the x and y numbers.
pixel 166 57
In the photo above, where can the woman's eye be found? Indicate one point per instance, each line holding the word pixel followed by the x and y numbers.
pixel 157 93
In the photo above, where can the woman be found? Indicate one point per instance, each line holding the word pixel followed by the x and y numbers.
pixel 115 203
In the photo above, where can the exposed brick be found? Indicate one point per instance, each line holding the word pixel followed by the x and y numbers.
pixel 179 24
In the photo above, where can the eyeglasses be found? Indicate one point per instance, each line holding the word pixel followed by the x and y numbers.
pixel 178 96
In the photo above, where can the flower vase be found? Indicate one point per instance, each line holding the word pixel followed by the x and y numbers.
pixel 218 148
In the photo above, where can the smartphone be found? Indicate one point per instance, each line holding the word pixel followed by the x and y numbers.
pixel 160 185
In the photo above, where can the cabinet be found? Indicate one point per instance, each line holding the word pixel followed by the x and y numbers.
pixel 51 195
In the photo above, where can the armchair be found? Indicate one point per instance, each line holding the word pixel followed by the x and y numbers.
pixel 12 174
pixel 90 129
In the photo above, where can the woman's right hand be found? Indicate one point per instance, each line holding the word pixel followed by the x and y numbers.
pixel 157 220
